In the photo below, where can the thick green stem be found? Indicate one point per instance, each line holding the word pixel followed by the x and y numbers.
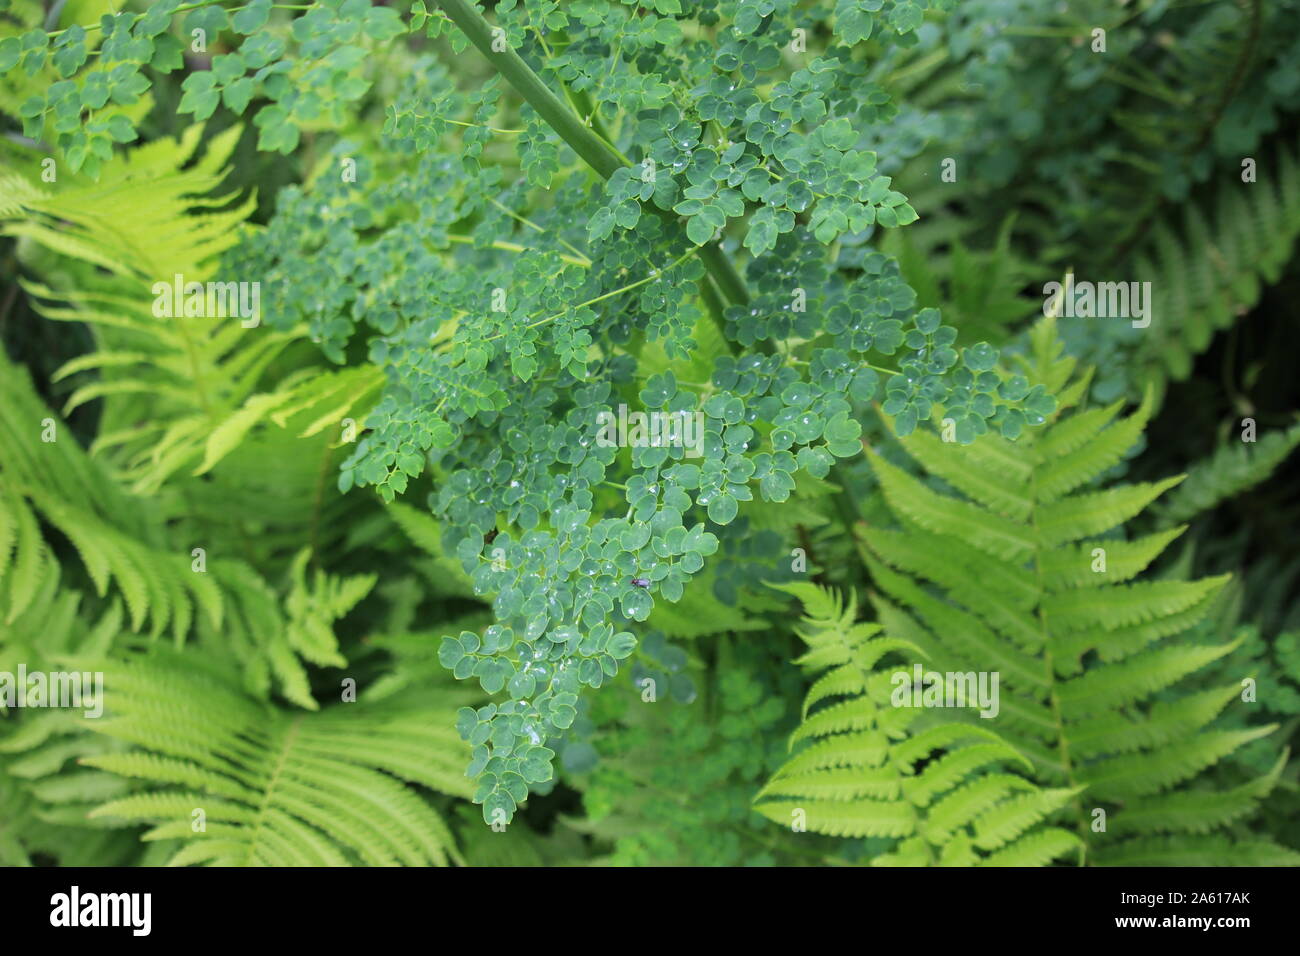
pixel 597 154
pixel 600 156
pixel 712 301
pixel 724 273
pixel 595 151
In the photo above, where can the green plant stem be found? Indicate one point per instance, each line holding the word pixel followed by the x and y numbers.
pixel 607 295
pixel 597 154
pixel 604 159
pixel 713 302
pixel 515 247
pixel 585 141
pixel 493 129
pixel 586 263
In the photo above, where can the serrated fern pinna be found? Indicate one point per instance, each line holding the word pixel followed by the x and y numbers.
pixel 942 790
pixel 1011 558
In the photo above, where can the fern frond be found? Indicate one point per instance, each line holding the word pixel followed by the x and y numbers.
pixel 1198 851
pixel 1208 267
pixel 1092 657
pixel 1233 468
pixel 130 556
pixel 1199 812
pixel 139 210
pixel 276 788
pixel 869 770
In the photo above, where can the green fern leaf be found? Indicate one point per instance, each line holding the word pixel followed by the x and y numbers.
pixel 1092 658
pixel 275 788
pixel 855 773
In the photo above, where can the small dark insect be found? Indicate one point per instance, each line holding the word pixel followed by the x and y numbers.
pixel 641 582
pixel 491 536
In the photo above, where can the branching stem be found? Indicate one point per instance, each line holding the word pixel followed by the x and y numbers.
pixel 585 141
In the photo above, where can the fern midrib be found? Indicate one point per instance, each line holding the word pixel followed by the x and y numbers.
pixel 843 627
pixel 1062 741
pixel 283 757
pixel 200 386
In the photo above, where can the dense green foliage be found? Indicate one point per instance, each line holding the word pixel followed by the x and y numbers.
pixel 361 558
